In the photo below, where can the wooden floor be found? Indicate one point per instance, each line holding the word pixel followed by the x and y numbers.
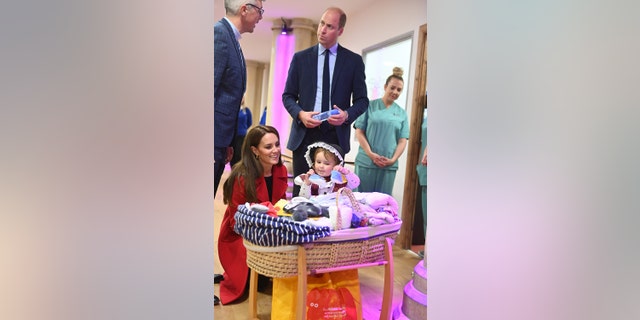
pixel 371 279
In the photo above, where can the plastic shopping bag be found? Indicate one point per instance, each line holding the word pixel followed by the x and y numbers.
pixel 333 295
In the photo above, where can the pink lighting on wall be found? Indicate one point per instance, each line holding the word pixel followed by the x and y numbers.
pixel 277 115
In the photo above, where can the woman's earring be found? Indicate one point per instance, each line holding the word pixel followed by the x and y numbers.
pixel 257 157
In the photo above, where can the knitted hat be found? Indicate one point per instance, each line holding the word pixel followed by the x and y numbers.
pixel 335 149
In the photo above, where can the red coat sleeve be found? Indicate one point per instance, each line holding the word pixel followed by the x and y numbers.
pixel 237 198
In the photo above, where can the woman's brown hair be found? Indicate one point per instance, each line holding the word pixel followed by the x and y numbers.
pixel 249 167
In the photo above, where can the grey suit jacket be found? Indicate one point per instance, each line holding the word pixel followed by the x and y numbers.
pixel 230 82
pixel 347 86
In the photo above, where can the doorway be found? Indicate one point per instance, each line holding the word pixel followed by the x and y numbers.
pixel 412 187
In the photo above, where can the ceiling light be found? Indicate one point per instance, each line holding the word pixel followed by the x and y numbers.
pixel 285 29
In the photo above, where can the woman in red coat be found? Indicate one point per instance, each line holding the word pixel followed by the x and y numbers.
pixel 259 176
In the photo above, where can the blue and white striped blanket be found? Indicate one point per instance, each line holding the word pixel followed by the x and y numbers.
pixel 267 231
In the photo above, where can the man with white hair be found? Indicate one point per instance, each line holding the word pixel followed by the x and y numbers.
pixel 230 80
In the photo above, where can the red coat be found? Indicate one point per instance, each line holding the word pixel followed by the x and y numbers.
pixel 231 251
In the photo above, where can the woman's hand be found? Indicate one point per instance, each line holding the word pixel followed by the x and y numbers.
pixel 384 162
pixel 424 157
pixel 378 160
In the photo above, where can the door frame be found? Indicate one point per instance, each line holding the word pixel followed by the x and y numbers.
pixel 413 154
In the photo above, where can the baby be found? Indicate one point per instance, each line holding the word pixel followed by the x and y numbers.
pixel 327 173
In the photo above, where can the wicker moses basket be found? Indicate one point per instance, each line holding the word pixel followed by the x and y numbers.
pixel 343 249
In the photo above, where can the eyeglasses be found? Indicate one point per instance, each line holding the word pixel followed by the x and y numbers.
pixel 260 10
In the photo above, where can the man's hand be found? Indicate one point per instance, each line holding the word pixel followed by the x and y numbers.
pixel 338 119
pixel 306 119
pixel 229 155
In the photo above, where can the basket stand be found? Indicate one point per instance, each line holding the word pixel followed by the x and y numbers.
pixel 301 299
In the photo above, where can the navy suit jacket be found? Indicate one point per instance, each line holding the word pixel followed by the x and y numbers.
pixel 300 91
pixel 230 82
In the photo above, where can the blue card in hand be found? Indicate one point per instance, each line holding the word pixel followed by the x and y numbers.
pixel 338 177
pixel 316 179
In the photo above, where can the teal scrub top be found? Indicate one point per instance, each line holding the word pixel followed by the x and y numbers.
pixel 422 170
pixel 383 128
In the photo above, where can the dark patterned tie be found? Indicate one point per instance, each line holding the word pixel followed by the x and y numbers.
pixel 244 69
pixel 241 56
pixel 326 83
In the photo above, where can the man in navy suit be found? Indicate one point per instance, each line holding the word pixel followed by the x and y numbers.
pixel 230 81
pixel 230 76
pixel 302 96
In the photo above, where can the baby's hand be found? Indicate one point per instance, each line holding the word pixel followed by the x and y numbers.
pixel 305 179
pixel 305 176
pixel 341 169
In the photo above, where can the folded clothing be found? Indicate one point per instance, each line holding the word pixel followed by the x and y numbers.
pixel 264 230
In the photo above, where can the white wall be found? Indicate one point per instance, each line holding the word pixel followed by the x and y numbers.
pixel 533 159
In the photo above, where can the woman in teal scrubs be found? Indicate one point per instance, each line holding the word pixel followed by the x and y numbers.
pixel 382 132
pixel 421 168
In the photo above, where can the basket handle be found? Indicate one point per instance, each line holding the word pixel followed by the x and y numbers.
pixel 355 205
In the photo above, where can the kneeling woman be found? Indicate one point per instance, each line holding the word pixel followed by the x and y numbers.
pixel 259 176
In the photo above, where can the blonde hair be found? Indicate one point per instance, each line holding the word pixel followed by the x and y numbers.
pixel 396 74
